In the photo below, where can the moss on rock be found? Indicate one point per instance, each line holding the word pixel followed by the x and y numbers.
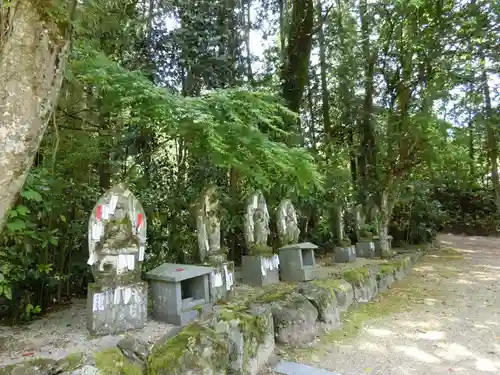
pixel 356 276
pixel 44 365
pixel 195 346
pixel 112 362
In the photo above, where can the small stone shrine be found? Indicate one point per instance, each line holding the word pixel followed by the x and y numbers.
pixel 117 300
pixel 180 292
pixel 260 267
pixel 209 243
pixel 297 260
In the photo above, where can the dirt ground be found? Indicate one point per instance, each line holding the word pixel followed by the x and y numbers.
pixel 443 319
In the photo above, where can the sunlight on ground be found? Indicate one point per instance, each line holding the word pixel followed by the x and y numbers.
pixel 416 353
pixel 379 332
pixel 429 335
pixel 453 352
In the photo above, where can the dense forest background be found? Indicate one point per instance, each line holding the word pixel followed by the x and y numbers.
pixel 387 103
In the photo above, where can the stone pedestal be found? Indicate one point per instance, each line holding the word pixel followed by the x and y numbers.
pixel 376 241
pixel 222 282
pixel 345 254
pixel 297 261
pixel 260 270
pixel 365 249
pixel 180 292
pixel 113 310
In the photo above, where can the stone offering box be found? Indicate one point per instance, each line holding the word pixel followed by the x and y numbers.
pixel 113 310
pixel 365 249
pixel 297 261
pixel 260 270
pixel 180 292
pixel 222 282
pixel 376 241
pixel 345 254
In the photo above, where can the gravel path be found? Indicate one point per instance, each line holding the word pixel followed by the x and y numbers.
pixel 61 333
pixel 453 328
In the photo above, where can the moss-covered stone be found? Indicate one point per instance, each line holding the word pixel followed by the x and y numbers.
pixel 322 294
pixel 195 347
pixel 356 276
pixel 273 293
pixel 44 366
pixel 112 362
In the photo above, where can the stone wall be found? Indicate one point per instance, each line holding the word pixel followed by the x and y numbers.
pixel 240 336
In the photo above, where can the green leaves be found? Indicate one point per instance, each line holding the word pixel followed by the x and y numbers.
pixel 32 195
pixel 223 126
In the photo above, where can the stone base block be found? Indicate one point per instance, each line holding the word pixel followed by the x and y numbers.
pixel 186 316
pixel 376 242
pixel 113 310
pixel 255 270
pixel 222 282
pixel 297 275
pixel 345 254
pixel 365 249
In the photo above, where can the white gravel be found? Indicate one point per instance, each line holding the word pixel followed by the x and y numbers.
pixel 458 334
pixel 61 333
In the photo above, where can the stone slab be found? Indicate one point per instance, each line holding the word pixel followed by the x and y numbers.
pixel 174 272
pixel 251 271
pixel 113 310
pixel 365 249
pixel 302 245
pixel 222 282
pixel 293 368
pixel 345 254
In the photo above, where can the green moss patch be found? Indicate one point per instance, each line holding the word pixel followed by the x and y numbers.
pixel 275 292
pixel 196 346
pixel 356 276
pixel 44 365
pixel 112 362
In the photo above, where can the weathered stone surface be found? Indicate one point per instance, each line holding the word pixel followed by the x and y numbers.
pixel 44 366
pixel 385 281
pixel 112 310
pixel 366 290
pixel 86 370
pixel 294 319
pixel 365 249
pixel 251 336
pixel 321 293
pixel 288 227
pixel 345 295
pixel 134 350
pixel 112 361
pixel 345 254
pixel 196 350
pixel 180 292
pixel 259 270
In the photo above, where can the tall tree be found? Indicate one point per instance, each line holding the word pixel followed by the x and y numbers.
pixel 33 52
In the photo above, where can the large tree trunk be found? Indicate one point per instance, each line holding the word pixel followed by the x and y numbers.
pixel 295 72
pixel 32 57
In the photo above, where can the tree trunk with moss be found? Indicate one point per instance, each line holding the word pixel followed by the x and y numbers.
pixel 33 51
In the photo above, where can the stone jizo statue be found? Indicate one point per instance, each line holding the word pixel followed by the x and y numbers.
pixel 256 220
pixel 288 228
pixel 208 224
pixel 117 236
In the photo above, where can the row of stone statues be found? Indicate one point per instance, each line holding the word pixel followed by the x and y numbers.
pixel 256 224
pixel 118 299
